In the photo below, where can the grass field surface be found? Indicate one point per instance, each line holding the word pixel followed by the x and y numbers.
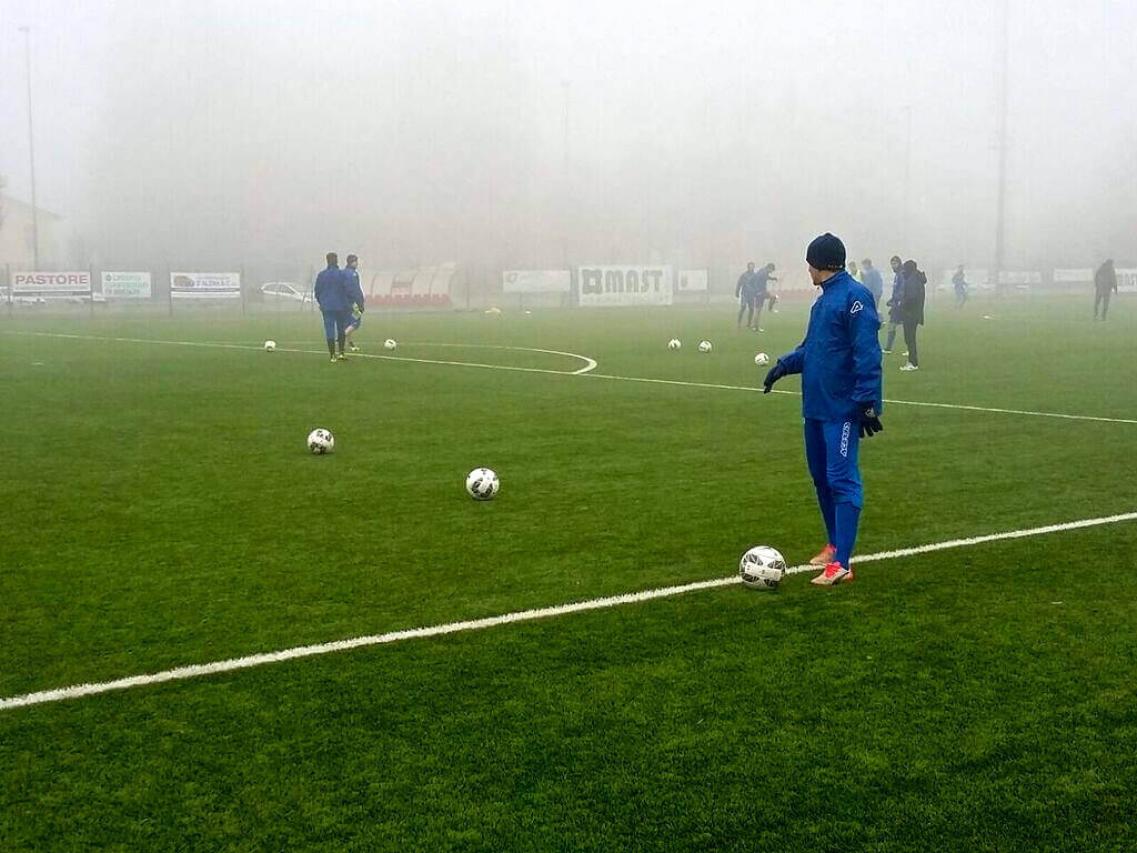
pixel 161 510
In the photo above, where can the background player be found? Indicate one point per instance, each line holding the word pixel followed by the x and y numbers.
pixel 331 296
pixel 355 298
pixel 744 292
pixel 762 294
pixel 894 318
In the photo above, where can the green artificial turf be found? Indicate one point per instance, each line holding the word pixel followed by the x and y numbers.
pixel 161 509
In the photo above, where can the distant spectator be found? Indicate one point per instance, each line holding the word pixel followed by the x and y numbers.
pixel 853 271
pixel 894 302
pixel 959 282
pixel 1105 285
pixel 870 278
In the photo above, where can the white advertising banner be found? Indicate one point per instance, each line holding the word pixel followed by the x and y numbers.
pixel 126 285
pixel 610 286
pixel 692 281
pixel 1126 280
pixel 1074 276
pixel 1018 277
pixel 52 285
pixel 536 281
pixel 205 285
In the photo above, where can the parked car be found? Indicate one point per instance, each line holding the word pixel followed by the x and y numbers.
pixel 276 290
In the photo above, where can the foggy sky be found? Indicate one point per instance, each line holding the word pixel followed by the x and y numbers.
pixel 522 134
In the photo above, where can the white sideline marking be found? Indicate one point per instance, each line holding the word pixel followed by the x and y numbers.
pixel 958 406
pixel 585 371
pixel 197 670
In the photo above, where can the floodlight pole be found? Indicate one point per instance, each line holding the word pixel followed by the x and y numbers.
pixel 31 145
pixel 1001 203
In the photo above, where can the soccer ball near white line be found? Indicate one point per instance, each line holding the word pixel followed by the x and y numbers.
pixel 674 344
pixel 321 441
pixel 762 567
pixel 761 359
pixel 705 346
pixel 482 484
pixel 389 344
pixel 270 346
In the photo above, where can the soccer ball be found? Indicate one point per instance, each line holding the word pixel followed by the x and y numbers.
pixel 482 484
pixel 321 441
pixel 270 346
pixel 762 567
pixel 674 344
pixel 705 346
pixel 761 359
pixel 389 344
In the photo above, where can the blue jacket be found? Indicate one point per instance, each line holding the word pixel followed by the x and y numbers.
pixel 873 281
pixel 839 360
pixel 330 290
pixel 351 284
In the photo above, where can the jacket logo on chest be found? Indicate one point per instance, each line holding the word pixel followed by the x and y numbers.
pixel 857 306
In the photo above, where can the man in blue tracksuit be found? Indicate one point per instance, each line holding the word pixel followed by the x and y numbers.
pixel 839 363
pixel 354 298
pixel 331 295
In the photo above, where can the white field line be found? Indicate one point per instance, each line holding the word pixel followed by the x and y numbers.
pixel 956 406
pixel 197 670
pixel 584 371
pixel 589 364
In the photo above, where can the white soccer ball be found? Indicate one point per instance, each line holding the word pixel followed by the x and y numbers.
pixel 482 484
pixel 270 346
pixel 761 359
pixel 705 346
pixel 321 441
pixel 389 344
pixel 674 344
pixel 762 567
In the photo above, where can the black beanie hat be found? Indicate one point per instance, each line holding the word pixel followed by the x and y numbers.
pixel 826 253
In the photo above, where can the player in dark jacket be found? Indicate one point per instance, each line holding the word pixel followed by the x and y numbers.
pixel 841 397
pixel 1105 285
pixel 912 310
pixel 331 296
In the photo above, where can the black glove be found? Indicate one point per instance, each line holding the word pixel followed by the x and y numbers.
pixel 775 373
pixel 868 421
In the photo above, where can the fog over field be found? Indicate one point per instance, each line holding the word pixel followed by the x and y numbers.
pixel 535 134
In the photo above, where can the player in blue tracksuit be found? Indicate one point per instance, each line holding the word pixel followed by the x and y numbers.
pixel 355 298
pixel 839 363
pixel 331 295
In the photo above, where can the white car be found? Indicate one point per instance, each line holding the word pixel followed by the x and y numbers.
pixel 274 290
